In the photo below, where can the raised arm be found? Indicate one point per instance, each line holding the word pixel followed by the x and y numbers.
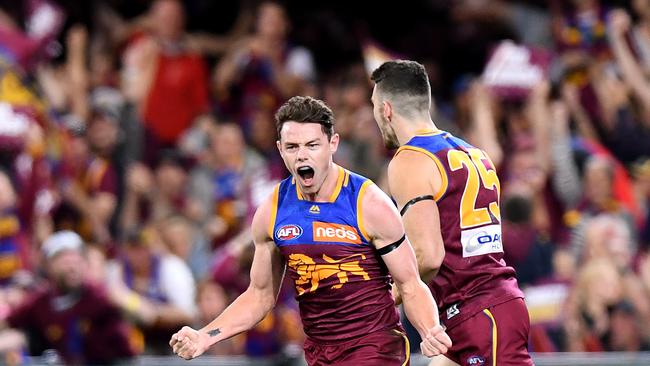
pixel 618 24
pixel 483 133
pixel 77 72
pixel 250 307
pixel 383 225
pixel 539 114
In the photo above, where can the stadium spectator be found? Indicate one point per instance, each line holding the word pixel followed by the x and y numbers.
pixel 229 184
pixel 89 182
pixel 70 315
pixel 159 278
pixel 262 69
pixel 186 241
pixel 361 147
pixel 598 198
pixel 262 139
pixel 168 79
pixel 633 122
pixel 153 195
pixel 579 27
pixel 603 299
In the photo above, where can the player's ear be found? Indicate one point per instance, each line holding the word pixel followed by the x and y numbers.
pixel 278 142
pixel 387 110
pixel 334 143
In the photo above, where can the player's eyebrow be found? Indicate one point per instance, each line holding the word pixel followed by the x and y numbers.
pixel 292 143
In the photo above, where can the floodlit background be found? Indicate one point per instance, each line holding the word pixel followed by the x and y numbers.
pixel 147 128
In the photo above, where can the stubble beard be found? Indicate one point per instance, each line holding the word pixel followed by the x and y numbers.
pixel 390 138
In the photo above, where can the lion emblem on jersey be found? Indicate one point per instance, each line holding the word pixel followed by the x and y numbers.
pixel 310 272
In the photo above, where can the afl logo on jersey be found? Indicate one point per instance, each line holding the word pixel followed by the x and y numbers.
pixel 288 232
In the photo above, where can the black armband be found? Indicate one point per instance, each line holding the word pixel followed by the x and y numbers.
pixel 414 201
pixel 390 247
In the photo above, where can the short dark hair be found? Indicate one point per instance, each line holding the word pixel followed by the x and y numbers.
pixel 406 83
pixel 306 110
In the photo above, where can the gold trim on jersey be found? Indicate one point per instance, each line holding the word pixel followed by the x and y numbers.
pixel 494 336
pixel 360 225
pixel 339 184
pixel 428 132
pixel 443 173
pixel 274 210
pixel 298 192
pixel 407 346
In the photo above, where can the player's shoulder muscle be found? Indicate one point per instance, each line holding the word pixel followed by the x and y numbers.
pixel 407 161
pixel 380 216
pixel 411 173
pixel 264 218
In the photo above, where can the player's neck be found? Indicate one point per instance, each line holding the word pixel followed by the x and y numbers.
pixel 408 129
pixel 325 191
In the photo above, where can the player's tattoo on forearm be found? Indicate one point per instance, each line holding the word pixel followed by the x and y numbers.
pixel 214 332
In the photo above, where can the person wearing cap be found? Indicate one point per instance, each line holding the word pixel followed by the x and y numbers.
pixel 69 314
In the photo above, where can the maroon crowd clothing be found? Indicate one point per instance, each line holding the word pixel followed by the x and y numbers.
pixel 101 177
pixel 473 275
pixel 85 328
pixel 94 175
pixel 342 285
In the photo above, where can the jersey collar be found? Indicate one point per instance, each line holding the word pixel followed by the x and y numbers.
pixel 337 189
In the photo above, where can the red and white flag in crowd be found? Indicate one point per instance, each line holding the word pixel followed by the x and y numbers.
pixel 512 69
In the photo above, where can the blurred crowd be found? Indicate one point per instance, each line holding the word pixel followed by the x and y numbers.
pixel 133 153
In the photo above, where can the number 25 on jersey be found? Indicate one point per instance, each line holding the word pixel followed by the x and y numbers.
pixel 478 177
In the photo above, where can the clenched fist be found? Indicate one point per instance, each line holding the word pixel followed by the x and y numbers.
pixel 189 343
pixel 437 342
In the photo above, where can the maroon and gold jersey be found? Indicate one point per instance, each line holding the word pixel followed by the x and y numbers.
pixel 342 285
pixel 87 329
pixel 473 275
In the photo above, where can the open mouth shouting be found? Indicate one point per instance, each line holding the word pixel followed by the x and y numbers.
pixel 306 174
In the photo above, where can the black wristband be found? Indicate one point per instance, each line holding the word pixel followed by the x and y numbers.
pixel 390 247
